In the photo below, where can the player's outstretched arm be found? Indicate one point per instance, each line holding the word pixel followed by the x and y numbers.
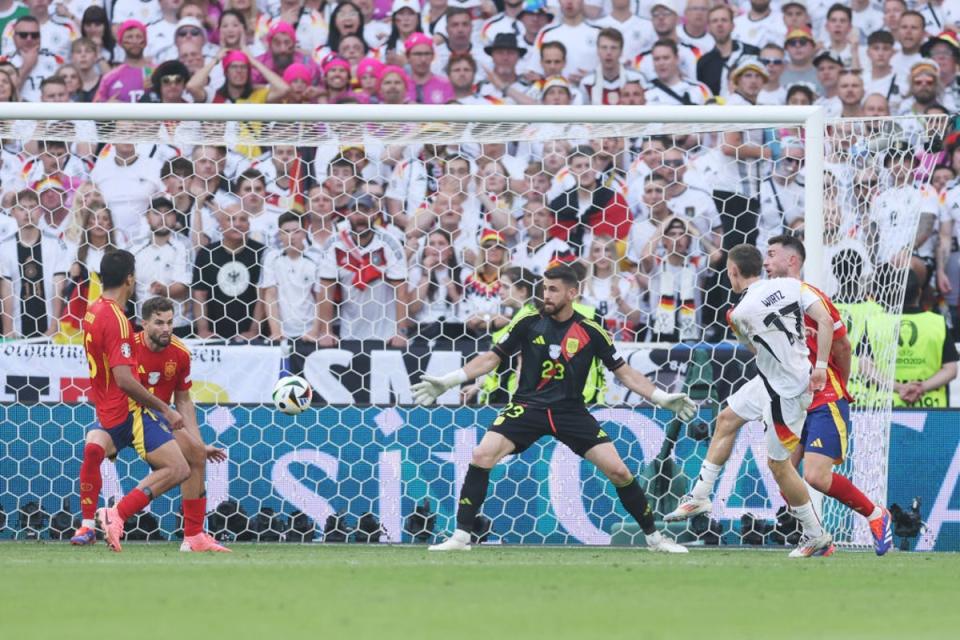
pixel 129 384
pixel 817 311
pixel 679 403
pixel 430 388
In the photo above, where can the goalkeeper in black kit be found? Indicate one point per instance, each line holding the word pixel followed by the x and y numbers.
pixel 557 347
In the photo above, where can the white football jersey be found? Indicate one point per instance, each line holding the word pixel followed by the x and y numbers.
pixel 770 317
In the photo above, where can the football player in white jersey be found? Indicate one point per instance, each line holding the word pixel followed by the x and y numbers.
pixel 769 321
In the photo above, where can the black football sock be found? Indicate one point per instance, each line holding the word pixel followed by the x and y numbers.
pixel 472 495
pixel 635 501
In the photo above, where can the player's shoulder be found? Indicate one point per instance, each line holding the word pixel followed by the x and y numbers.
pixel 591 326
pixel 180 347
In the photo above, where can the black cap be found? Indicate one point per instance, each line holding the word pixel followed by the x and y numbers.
pixel 505 41
pixel 827 55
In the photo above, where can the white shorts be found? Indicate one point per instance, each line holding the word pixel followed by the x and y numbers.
pixel 782 418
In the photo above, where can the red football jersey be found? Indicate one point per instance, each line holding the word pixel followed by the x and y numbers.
pixel 835 388
pixel 108 340
pixel 165 371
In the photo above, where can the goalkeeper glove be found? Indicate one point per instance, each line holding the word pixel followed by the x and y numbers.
pixel 679 403
pixel 430 388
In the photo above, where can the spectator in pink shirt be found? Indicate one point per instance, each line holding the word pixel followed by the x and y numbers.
pixel 425 87
pixel 129 81
pixel 282 52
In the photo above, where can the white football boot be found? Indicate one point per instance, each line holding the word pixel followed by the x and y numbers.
pixel 810 547
pixel 459 541
pixel 689 507
pixel 656 541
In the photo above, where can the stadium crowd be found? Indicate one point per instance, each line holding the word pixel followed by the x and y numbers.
pixel 373 241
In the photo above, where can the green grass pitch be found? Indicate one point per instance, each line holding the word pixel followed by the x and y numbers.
pixel 346 591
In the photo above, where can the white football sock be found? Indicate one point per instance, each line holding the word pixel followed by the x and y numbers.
pixel 89 523
pixel 703 489
pixel 808 518
pixel 877 512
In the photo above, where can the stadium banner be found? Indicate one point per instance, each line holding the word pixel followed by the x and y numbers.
pixel 45 372
pixel 389 460
pixel 37 371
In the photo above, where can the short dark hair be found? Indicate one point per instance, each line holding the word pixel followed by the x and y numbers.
pixel 611 34
pixel 556 44
pixel 914 14
pixel 116 267
pixel 52 80
pixel 155 305
pixel 793 243
pixel 563 272
pixel 669 44
pixel 26 194
pixel 461 57
pixel 457 11
pixel 178 166
pixel 839 7
pixel 881 36
pixel 161 204
pixel 289 216
pixel 748 260
pixel 523 278
pixel 584 150
pixel 250 175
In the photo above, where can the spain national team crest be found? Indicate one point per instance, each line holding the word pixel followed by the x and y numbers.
pixel 169 369
pixel 572 346
pixel 554 351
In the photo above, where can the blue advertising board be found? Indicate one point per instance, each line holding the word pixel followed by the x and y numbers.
pixel 387 460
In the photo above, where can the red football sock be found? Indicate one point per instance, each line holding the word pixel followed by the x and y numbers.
pixel 90 480
pixel 847 493
pixel 131 504
pixel 193 513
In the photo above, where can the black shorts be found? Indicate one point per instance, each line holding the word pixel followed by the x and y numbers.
pixel 575 428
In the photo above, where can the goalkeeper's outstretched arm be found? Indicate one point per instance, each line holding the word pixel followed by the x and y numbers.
pixel 431 387
pixel 679 403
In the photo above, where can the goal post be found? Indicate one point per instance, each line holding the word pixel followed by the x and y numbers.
pixel 363 449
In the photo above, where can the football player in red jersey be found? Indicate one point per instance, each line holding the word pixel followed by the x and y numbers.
pixel 164 368
pixel 127 413
pixel 823 442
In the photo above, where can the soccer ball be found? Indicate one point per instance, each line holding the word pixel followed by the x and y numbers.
pixel 292 394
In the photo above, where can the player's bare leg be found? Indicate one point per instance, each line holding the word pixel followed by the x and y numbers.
pixel 815 541
pixel 699 500
pixel 631 495
pixel 193 493
pixel 491 450
pixel 170 468
pixel 98 445
pixel 818 473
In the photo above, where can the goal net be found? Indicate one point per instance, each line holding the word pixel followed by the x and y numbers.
pixel 360 248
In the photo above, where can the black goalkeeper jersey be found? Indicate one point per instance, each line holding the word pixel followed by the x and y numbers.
pixel 556 357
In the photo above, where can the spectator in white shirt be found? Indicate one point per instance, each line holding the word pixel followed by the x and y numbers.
pixel 290 284
pixel 910 35
pixel 881 77
pixel 844 40
pixel 163 263
pixel 760 25
pixel 579 36
pixel 850 92
pixel 772 56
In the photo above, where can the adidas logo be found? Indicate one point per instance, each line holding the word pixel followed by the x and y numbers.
pixel 465 501
pixel 816 444
pixel 539 340
pixel 601 434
